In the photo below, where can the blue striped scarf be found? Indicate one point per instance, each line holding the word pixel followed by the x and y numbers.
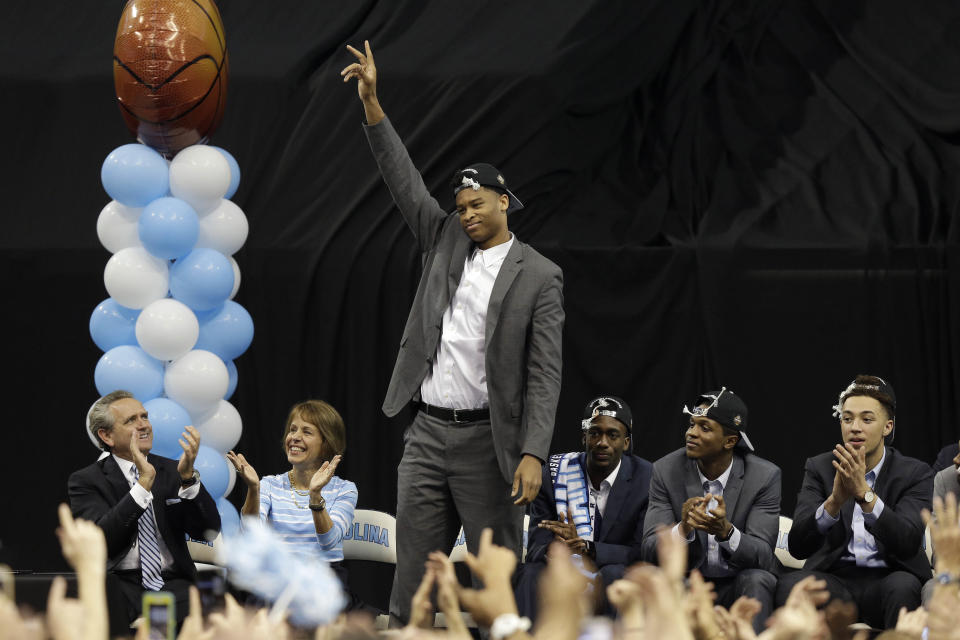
pixel 570 491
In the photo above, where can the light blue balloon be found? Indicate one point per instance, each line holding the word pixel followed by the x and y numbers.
pixel 228 333
pixel 168 228
pixel 234 171
pixel 212 467
pixel 202 279
pixel 112 324
pixel 234 378
pixel 135 174
pixel 130 368
pixel 229 518
pixel 168 420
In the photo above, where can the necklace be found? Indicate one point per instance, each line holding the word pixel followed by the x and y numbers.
pixel 295 492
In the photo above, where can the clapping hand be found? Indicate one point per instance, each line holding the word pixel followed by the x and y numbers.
pixel 244 469
pixel 145 470
pixel 320 479
pixel 190 443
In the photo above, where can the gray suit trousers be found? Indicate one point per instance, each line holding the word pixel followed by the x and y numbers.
pixel 448 475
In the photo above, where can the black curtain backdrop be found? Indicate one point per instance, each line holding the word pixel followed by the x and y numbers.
pixel 758 194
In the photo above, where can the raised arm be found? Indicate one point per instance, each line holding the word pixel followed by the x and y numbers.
pixel 365 71
pixel 420 210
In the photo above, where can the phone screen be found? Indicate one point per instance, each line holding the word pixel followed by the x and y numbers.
pixel 212 588
pixel 159 622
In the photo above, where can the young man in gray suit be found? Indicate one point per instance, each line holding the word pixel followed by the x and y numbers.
pixel 480 358
pixel 722 500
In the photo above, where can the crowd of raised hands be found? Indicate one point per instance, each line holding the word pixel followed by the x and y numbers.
pixel 652 602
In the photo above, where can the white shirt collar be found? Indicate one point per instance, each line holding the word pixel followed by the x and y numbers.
pixel 126 466
pixel 722 478
pixel 493 255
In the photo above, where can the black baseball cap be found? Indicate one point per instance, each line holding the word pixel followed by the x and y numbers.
pixel 482 174
pixel 611 406
pixel 727 408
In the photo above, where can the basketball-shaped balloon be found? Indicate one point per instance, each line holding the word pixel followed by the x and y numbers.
pixel 170 71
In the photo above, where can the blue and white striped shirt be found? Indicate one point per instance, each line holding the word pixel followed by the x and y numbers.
pixel 294 523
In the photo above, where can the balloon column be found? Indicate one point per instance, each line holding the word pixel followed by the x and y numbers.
pixel 170 329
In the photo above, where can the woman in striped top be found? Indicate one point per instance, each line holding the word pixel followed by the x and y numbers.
pixel 309 506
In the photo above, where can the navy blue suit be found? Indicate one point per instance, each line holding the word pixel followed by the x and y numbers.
pixel 100 493
pixel 618 541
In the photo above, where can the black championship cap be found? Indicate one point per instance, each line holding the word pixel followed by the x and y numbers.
pixel 482 174
pixel 728 409
pixel 607 406
pixel 876 386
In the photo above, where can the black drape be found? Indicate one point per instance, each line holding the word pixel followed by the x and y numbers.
pixel 749 193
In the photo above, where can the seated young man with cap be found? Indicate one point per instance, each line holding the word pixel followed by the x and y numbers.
pixel 479 360
pixel 592 500
pixel 858 521
pixel 723 500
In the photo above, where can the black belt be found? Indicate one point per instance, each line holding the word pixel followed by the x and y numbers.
pixel 459 416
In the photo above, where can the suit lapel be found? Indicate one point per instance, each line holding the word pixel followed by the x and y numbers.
pixel 462 249
pixel 731 492
pixel 508 273
pixel 694 488
pixel 115 479
pixel 618 496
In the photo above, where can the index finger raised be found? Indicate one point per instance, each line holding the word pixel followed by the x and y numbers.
pixel 357 53
pixel 366 46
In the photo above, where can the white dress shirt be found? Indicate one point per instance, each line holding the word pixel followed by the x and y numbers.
pixel 458 378
pixel 144 498
pixel 598 499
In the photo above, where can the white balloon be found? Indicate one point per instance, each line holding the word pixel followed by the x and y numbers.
pixel 134 278
pixel 167 329
pixel 224 229
pixel 221 427
pixel 196 381
pixel 200 175
pixel 117 226
pixel 236 277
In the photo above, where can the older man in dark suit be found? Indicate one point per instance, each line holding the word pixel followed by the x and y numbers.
pixel 723 500
pixel 480 358
pixel 145 504
pixel 593 500
pixel 857 520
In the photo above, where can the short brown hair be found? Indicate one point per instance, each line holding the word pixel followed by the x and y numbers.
pixel 871 386
pixel 101 417
pixel 328 422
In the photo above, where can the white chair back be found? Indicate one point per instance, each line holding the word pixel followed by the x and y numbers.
pixel 371 536
pixel 782 552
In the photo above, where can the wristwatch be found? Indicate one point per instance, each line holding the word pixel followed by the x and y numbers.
pixel 590 549
pixel 194 479
pixel 868 497
pixel 318 506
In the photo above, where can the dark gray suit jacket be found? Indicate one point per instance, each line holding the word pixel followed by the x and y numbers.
pixel 752 496
pixel 524 315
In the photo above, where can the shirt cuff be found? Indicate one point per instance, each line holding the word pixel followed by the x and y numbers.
pixel 676 531
pixel 871 518
pixel 824 519
pixel 140 495
pixel 191 492
pixel 731 543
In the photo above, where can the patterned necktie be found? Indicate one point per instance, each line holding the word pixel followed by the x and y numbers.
pixel 150 559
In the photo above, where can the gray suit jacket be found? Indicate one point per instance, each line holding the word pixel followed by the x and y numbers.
pixel 524 315
pixel 752 496
pixel 946 481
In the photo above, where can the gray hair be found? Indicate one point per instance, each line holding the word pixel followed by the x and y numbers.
pixel 101 417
